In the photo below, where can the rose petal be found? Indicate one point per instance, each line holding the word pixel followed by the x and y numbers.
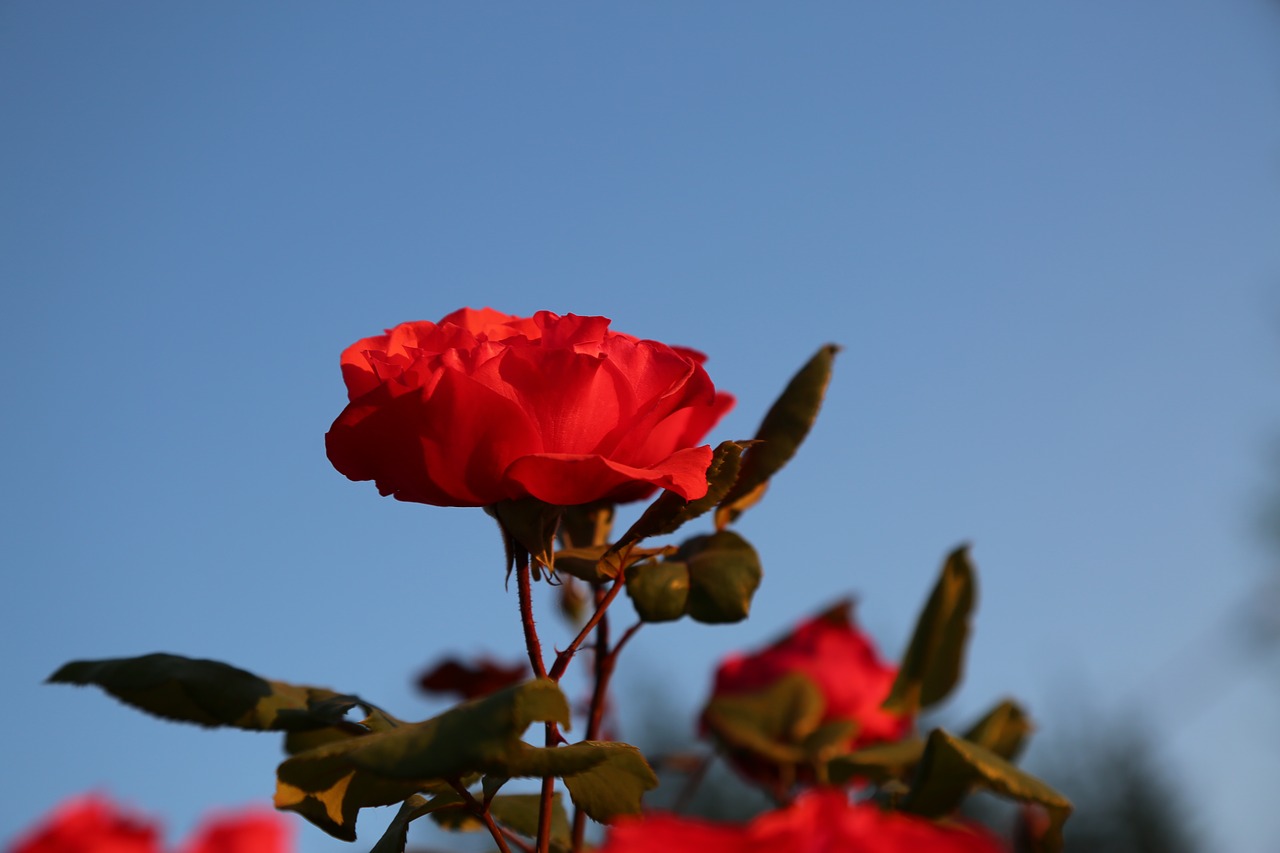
pixel 567 480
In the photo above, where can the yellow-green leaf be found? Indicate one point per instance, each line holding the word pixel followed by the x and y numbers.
pixel 951 767
pixel 934 661
pixel 784 427
pixel 1003 730
pixel 212 693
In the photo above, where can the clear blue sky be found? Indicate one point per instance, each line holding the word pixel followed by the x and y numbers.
pixel 1044 233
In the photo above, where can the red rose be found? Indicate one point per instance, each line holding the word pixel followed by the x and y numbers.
pixel 248 831
pixel 841 662
pixel 94 825
pixel 90 825
pixel 483 407
pixel 820 821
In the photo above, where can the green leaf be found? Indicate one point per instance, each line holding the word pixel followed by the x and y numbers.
pixel 724 573
pixel 212 693
pixel 773 723
pixel 328 785
pixel 397 833
pixel 935 659
pixel 670 511
pixel 605 779
pixel 659 591
pixel 1003 730
pixel 585 525
pixel 879 763
pixel 951 767
pixel 781 432
pixel 520 813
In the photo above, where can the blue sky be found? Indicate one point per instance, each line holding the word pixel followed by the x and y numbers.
pixel 1045 235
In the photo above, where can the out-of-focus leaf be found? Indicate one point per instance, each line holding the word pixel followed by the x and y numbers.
pixel 659 591
pixel 670 511
pixel 605 779
pixel 724 573
pixel 951 767
pixel 1003 730
pixel 780 434
pixel 879 763
pixel 376 721
pixel 212 693
pixel 520 813
pixel 328 785
pixel 773 723
pixel 935 659
pixel 397 833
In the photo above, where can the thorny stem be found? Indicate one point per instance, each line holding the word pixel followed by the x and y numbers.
pixel 498 833
pixel 524 587
pixel 563 659
pixel 605 661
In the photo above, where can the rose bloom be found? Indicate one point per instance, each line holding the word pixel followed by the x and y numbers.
pixel 93 824
pixel 820 821
pixel 484 407
pixel 844 665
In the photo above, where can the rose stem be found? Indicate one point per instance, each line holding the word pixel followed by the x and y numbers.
pixel 563 659
pixel 605 661
pixel 483 813
pixel 524 587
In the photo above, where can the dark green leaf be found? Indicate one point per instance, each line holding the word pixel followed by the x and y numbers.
pixel 670 511
pixel 724 573
pixel 879 763
pixel 397 833
pixel 1003 730
pixel 585 525
pixel 783 429
pixel 212 693
pixel 935 659
pixel 520 813
pixel 659 591
pixel 773 723
pixel 605 779
pixel 328 785
pixel 950 768
pixel 599 563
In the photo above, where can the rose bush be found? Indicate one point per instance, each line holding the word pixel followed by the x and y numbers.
pixel 484 407
pixel 94 824
pixel 840 661
pixel 820 821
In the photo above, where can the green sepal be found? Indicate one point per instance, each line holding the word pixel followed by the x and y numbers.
pixel 1003 730
pixel 212 693
pixel 934 661
pixel 724 574
pixel 328 785
pixel 397 832
pixel 951 767
pixel 599 563
pixel 773 723
pixel 532 525
pixel 670 511
pixel 659 591
pixel 879 763
pixel 780 434
pixel 586 524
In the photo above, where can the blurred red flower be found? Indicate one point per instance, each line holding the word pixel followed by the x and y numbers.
pixel 472 680
pixel 820 821
pixel 840 661
pixel 93 824
pixel 485 407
